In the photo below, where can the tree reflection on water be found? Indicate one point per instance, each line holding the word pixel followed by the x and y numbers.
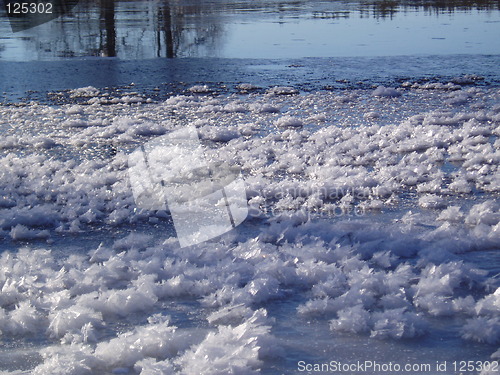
pixel 108 28
pixel 183 28
pixel 166 28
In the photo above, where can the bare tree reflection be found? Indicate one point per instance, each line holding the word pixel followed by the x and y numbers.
pixel 108 28
pixel 166 17
pixel 185 28
pixel 388 8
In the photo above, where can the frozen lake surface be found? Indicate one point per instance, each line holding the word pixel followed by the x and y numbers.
pixel 373 232
pixel 372 184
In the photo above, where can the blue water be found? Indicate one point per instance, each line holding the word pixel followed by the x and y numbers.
pixel 315 45
pixel 159 78
pixel 256 29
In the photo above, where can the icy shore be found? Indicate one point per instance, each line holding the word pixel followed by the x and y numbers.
pixel 363 205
